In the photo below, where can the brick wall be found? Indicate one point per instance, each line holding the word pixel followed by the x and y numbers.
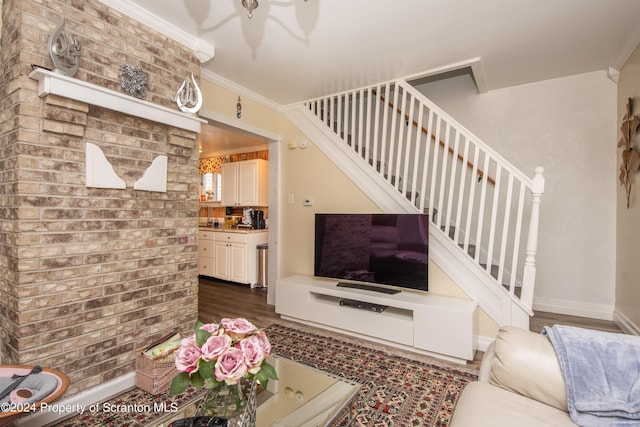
pixel 87 275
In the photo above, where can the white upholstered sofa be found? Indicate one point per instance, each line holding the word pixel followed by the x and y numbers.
pixel 520 384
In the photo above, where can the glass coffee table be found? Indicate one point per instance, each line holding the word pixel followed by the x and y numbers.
pixel 301 397
pixel 304 396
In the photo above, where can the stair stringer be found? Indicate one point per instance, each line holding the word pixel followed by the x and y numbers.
pixel 475 281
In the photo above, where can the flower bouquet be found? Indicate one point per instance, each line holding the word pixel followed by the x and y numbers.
pixel 218 356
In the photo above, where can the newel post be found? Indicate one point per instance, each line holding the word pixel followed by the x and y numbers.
pixel 529 274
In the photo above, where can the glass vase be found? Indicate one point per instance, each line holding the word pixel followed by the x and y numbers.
pixel 236 403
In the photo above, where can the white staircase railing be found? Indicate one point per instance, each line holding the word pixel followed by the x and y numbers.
pixel 486 207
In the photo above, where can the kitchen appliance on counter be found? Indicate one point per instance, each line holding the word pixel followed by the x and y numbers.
pixel 247 217
pixel 253 218
pixel 258 220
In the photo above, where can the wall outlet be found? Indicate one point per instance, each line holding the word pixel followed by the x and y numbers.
pixel 307 201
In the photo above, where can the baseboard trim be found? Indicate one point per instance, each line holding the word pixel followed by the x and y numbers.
pixel 84 399
pixel 482 343
pixel 625 323
pixel 574 308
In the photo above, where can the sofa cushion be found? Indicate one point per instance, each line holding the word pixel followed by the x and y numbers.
pixel 526 363
pixel 485 405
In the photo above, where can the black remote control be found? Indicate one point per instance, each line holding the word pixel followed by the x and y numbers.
pixel 200 422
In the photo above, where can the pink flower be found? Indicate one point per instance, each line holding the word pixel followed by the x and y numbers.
pixel 264 342
pixel 238 328
pixel 253 353
pixel 215 346
pixel 188 355
pixel 230 366
pixel 212 328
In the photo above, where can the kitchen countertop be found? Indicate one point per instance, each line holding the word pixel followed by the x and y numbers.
pixel 232 230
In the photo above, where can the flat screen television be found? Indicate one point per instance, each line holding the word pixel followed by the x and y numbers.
pixel 386 249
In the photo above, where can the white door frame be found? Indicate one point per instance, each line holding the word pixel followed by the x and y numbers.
pixel 273 140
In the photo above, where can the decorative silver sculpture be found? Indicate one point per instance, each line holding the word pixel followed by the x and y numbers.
pixel 250 5
pixel 189 96
pixel 64 51
pixel 133 80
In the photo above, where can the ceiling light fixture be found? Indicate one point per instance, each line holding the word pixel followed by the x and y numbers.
pixel 250 5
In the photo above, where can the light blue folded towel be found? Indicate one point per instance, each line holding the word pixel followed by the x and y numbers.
pixel 602 373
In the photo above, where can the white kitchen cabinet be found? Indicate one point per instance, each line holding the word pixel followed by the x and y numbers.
pixel 231 260
pixel 235 255
pixel 206 253
pixel 245 183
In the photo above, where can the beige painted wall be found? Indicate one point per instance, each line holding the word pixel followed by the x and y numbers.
pixel 308 173
pixel 223 101
pixel 628 220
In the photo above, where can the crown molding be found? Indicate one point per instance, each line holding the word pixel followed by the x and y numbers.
pixel 626 50
pixel 203 50
pixel 240 90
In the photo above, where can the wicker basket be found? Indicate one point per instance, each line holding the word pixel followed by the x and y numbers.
pixel 154 375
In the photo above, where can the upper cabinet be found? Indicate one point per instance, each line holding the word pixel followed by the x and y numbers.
pixel 245 183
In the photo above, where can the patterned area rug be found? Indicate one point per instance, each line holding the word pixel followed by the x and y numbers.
pixel 395 391
pixel 132 408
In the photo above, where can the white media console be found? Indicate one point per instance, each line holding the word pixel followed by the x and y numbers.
pixel 421 322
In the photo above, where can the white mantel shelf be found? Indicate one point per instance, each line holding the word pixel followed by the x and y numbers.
pixel 57 84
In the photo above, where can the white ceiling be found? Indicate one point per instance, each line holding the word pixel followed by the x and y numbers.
pixel 295 50
pixel 220 141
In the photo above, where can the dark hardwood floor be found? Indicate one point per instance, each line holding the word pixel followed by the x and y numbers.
pixel 218 299
pixel 542 319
